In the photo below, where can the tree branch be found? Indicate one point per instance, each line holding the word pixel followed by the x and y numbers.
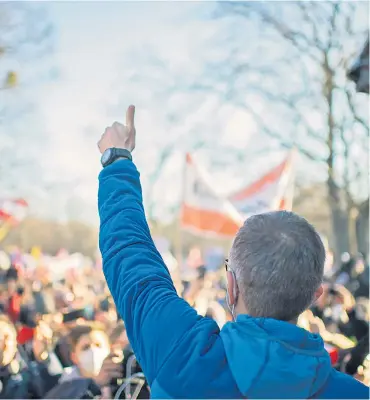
pixel 269 132
pixel 292 36
pixel 357 118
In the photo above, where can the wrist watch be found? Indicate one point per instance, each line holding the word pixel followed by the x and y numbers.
pixel 113 154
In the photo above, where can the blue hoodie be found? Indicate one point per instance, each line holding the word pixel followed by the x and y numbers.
pixel 182 354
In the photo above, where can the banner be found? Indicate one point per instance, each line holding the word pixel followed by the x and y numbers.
pixel 13 210
pixel 203 211
pixel 273 191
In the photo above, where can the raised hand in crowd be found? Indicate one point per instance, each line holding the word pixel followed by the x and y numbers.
pixel 274 273
pixel 42 341
pixel 120 136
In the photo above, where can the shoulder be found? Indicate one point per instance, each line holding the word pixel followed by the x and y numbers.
pixel 204 374
pixel 342 386
pixel 69 374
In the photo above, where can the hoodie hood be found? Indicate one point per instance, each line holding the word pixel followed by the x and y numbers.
pixel 275 359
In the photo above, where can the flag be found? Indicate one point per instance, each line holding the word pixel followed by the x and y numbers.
pixel 13 210
pixel 203 210
pixel 273 191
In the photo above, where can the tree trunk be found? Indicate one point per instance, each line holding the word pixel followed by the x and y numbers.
pixel 339 214
pixel 353 217
pixel 362 229
pixel 340 228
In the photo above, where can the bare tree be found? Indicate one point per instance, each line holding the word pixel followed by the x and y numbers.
pixel 26 42
pixel 179 100
pixel 26 35
pixel 286 64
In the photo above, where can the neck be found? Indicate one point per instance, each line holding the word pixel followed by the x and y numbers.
pixel 240 310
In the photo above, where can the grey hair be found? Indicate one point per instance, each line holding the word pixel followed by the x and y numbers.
pixel 278 260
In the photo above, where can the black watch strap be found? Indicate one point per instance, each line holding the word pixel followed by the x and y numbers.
pixel 113 154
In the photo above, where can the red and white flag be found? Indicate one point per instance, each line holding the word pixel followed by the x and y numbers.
pixel 273 191
pixel 206 212
pixel 203 210
pixel 13 210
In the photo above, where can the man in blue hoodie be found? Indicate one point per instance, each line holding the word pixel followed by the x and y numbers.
pixel 274 273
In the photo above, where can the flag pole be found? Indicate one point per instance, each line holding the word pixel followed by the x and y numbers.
pixel 291 189
pixel 285 181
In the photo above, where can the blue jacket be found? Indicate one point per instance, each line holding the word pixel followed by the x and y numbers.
pixel 182 354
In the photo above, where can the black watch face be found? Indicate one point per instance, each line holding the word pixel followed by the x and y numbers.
pixel 106 156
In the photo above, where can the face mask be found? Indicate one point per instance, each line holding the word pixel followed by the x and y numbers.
pixel 91 360
pixel 232 307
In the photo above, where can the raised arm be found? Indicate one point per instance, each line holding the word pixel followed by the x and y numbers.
pixel 155 317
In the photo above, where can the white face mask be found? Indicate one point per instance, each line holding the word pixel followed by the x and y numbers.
pixel 91 360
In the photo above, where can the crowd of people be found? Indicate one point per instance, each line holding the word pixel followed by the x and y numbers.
pixel 64 338
pixel 299 319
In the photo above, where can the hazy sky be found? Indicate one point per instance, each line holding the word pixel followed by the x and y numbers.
pixel 97 45
pixel 99 48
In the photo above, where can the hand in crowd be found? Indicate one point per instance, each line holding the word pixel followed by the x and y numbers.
pixel 111 369
pixel 314 324
pixel 345 297
pixel 317 325
pixel 42 341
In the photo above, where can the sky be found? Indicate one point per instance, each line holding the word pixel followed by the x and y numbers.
pixel 104 59
pixel 97 45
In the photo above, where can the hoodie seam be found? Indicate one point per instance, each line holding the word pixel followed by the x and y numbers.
pixel 259 373
pixel 314 379
pixel 315 353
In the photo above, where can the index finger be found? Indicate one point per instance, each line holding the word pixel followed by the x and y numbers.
pixel 130 115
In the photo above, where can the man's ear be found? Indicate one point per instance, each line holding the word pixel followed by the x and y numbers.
pixel 318 293
pixel 231 288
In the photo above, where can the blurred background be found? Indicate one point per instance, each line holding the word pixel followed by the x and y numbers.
pixel 242 107
pixel 236 84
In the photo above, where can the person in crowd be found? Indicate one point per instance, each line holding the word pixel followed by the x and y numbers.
pixel 353 274
pixel 360 275
pixel 118 337
pixel 341 313
pixel 356 356
pixel 17 379
pixel 91 356
pixel 8 351
pixel 44 297
pixel 15 295
pixel 274 273
pixel 106 313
